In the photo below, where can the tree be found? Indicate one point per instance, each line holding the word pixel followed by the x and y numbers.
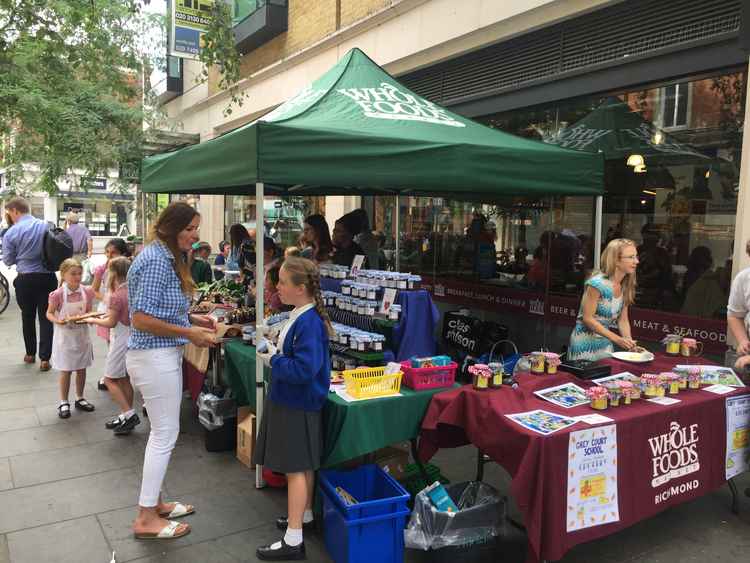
pixel 71 83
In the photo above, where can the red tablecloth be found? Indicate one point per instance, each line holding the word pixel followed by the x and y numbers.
pixel 538 464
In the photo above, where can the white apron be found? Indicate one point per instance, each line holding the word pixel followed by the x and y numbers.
pixel 118 348
pixel 71 343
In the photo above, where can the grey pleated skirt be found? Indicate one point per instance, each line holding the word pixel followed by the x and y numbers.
pixel 289 440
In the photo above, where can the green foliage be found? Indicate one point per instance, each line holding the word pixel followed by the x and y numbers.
pixel 219 51
pixel 71 84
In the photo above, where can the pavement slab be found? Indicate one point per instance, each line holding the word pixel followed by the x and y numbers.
pixel 4 555
pixel 73 541
pixel 63 500
pixel 17 419
pixel 6 477
pixel 205 552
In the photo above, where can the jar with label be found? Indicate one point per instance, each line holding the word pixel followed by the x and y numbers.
pixel 346 287
pixel 364 344
pixel 350 364
pixel 372 292
pixel 344 338
pixel 371 305
pixel 414 282
pixel 497 375
pixel 481 376
pixel 394 312
pixel 377 342
pixel 403 281
pixel 672 344
pixel 362 307
pixel 537 362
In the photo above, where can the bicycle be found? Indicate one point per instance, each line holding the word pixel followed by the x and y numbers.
pixel 4 293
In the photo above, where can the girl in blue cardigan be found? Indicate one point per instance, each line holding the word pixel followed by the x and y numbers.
pixel 290 440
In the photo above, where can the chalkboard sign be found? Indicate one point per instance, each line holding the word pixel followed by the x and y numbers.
pixel 463 332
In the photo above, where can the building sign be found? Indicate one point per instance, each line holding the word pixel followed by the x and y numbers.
pixel 647 324
pixel 93 183
pixel 190 20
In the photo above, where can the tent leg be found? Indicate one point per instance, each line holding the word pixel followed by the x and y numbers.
pixel 260 389
pixel 598 230
pixel 397 227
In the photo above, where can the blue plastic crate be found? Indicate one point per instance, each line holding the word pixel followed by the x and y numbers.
pixel 373 529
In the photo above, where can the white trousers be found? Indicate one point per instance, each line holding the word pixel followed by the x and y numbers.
pixel 157 373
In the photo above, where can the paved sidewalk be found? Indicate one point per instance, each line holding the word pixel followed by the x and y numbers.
pixel 68 489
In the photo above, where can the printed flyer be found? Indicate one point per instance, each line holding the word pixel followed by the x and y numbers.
pixel 541 421
pixel 592 478
pixel 566 395
pixel 738 435
pixel 711 375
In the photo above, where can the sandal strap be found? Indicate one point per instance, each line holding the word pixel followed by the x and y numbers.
pixel 169 530
pixel 82 402
pixel 64 407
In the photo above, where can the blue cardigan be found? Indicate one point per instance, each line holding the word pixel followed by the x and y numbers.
pixel 301 374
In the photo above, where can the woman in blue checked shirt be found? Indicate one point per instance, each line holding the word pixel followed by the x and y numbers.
pixel 159 290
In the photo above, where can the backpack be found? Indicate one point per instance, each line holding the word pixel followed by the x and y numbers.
pixel 57 246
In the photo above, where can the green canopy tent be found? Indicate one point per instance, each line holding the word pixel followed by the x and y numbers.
pixel 357 131
pixel 616 131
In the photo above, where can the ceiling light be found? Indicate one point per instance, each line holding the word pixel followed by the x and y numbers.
pixel 636 160
pixel 649 192
pixel 639 169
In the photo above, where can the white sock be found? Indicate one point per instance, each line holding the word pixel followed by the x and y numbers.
pixel 65 402
pixel 293 537
pixel 127 414
pixel 307 517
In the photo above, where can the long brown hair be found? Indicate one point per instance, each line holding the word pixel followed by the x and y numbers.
pixel 608 264
pixel 174 219
pixel 117 271
pixel 304 272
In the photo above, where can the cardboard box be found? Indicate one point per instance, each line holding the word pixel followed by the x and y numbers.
pixel 245 436
pixel 392 460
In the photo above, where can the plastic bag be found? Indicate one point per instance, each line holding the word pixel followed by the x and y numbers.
pixel 480 517
pixel 88 272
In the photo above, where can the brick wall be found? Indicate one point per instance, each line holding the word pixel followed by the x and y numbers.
pixel 309 22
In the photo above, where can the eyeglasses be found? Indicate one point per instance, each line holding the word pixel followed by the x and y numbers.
pixel 632 257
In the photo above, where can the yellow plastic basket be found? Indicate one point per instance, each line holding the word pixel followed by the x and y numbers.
pixel 368 383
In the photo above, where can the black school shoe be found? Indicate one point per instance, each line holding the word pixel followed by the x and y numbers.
pixel 113 423
pixel 284 553
pixel 282 522
pixel 126 427
pixel 84 405
pixel 63 411
pixel 101 385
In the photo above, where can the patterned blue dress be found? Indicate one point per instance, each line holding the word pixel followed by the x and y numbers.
pixel 585 344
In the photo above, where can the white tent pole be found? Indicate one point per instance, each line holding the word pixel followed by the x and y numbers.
pixel 598 230
pixel 397 223
pixel 260 389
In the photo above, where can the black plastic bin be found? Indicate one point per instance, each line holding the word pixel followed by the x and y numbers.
pixel 470 535
pixel 223 438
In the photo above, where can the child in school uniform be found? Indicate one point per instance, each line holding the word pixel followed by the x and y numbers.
pixel 72 350
pixel 117 322
pixel 291 429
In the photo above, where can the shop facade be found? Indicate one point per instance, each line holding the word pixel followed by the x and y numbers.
pixel 537 71
pixel 525 260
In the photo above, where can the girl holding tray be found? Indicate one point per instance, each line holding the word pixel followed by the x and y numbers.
pixel 290 440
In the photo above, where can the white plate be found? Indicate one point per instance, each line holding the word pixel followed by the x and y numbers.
pixel 634 357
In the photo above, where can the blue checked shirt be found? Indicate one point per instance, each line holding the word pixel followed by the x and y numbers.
pixel 154 289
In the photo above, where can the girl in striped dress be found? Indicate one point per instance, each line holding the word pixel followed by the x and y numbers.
pixel 607 296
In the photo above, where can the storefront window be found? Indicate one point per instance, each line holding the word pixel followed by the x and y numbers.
pixel 102 217
pixel 282 217
pixel 681 207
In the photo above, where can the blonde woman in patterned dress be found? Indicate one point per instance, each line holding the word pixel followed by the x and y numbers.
pixel 607 296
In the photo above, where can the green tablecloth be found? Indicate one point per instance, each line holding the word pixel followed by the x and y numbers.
pixel 351 429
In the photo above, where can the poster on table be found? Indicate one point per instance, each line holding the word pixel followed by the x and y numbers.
pixel 715 375
pixel 541 421
pixel 567 395
pixel 190 20
pixel 592 478
pixel 738 435
pixel 624 376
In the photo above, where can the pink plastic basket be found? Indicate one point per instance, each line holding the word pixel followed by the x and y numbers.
pixel 429 378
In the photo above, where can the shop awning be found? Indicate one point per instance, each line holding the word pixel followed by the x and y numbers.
pixel 617 131
pixel 358 131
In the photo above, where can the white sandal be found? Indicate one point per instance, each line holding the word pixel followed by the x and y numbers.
pixel 168 532
pixel 178 511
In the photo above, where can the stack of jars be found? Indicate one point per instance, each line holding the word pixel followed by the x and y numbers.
pixel 358 340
